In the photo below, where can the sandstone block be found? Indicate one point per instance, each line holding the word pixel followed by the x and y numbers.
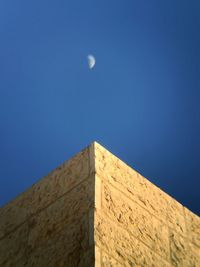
pixel 13 248
pixel 65 248
pixel 179 250
pixel 193 255
pixel 193 227
pixel 121 245
pixel 141 224
pixel 183 253
pixel 62 213
pixel 95 211
pixel 108 261
pixel 43 193
pixel 150 197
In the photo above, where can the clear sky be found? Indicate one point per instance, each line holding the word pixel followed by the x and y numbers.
pixel 141 101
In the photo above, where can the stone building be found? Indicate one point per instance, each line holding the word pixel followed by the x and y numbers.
pixel 94 210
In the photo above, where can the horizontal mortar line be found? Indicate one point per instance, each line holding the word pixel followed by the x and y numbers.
pixel 140 241
pixel 188 240
pixel 102 249
pixel 45 177
pixel 61 229
pixel 135 201
pixel 134 172
pixel 40 210
pixel 131 199
pixel 143 178
pixel 43 243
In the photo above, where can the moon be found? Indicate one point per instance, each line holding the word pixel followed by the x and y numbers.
pixel 91 61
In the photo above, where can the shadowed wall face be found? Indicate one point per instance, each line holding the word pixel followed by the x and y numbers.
pixel 94 210
pixel 48 224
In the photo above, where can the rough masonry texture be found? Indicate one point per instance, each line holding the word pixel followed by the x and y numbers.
pixel 94 210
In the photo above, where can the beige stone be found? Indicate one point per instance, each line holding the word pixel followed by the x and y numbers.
pixel 179 249
pixel 193 255
pixel 193 227
pixel 95 211
pixel 46 191
pixel 139 189
pixel 65 211
pixel 97 257
pixel 183 253
pixel 65 248
pixel 108 261
pixel 140 223
pixel 120 244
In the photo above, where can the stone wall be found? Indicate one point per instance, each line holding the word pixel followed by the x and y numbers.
pixel 48 225
pixel 94 210
pixel 136 223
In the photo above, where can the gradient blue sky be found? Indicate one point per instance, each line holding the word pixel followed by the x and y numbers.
pixel 141 101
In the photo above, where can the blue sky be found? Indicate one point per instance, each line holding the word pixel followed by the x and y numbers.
pixel 141 101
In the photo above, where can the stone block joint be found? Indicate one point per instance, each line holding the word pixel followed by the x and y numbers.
pixel 96 211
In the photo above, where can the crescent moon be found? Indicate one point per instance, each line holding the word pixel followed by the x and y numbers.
pixel 91 61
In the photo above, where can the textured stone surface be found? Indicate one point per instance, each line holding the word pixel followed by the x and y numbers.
pixel 136 220
pixel 43 193
pixel 121 245
pixel 193 226
pixel 97 257
pixel 65 211
pixel 193 255
pixel 48 224
pixel 139 189
pixel 95 211
pixel 14 246
pixel 183 253
pixel 65 248
pixel 42 240
pixel 179 250
pixel 64 223
pixel 108 261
